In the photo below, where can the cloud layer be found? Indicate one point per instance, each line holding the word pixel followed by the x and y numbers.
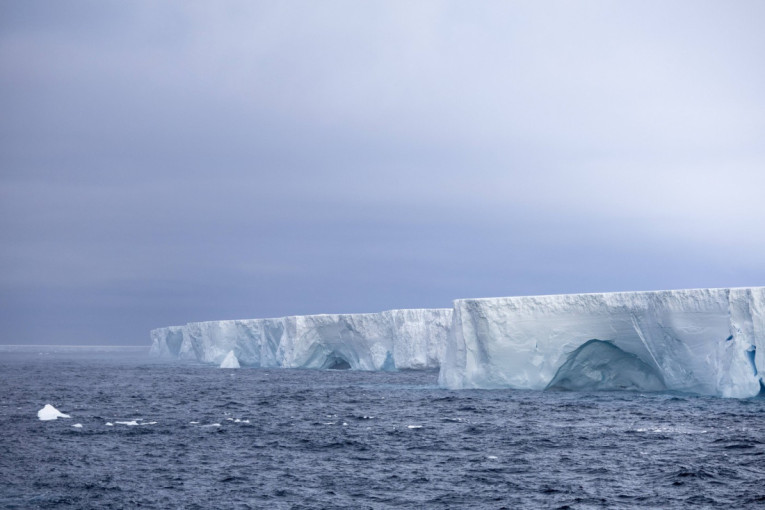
pixel 186 161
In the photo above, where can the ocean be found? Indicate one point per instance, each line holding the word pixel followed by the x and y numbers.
pixel 169 434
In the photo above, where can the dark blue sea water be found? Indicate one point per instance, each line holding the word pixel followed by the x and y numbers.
pixel 251 438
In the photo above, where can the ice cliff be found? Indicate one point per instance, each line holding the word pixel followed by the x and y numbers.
pixel 707 341
pixel 394 339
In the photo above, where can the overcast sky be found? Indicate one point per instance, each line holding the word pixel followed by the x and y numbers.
pixel 168 162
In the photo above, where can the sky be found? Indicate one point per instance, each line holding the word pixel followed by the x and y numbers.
pixel 171 162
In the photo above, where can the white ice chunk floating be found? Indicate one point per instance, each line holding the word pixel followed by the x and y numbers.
pixel 230 361
pixel 49 412
pixel 132 423
pixel 77 425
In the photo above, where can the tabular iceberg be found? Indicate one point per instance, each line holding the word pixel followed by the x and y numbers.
pixel 394 339
pixel 707 341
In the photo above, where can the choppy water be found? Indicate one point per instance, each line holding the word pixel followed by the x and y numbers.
pixel 250 438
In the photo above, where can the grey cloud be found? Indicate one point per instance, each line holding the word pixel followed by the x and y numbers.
pixel 177 162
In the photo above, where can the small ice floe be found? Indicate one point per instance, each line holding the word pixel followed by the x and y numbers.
pixel 212 425
pixel 77 425
pixel 414 426
pixel 671 430
pixel 491 457
pixel 132 423
pixel 149 423
pixel 109 424
pixel 49 412
pixel 345 424
pixel 230 361
pixel 241 421
pixel 194 422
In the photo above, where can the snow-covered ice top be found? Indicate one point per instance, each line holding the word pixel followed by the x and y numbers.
pixel 708 341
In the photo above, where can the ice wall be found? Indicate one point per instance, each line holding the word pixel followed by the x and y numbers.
pixel 395 339
pixel 708 341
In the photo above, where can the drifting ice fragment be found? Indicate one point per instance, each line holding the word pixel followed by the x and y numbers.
pixel 49 412
pixel 230 361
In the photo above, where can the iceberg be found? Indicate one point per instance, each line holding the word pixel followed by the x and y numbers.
pixel 49 412
pixel 390 340
pixel 705 341
pixel 230 361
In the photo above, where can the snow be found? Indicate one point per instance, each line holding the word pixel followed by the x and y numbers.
pixel 394 339
pixel 49 412
pixel 706 341
pixel 230 361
